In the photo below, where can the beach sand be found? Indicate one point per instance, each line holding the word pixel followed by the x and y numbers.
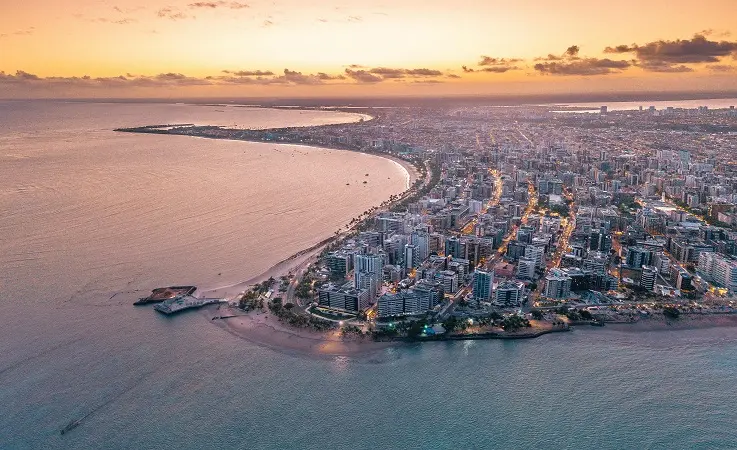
pixel 265 329
pixel 684 322
pixel 300 260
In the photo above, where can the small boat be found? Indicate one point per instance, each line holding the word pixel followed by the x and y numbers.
pixel 71 425
pixel 597 323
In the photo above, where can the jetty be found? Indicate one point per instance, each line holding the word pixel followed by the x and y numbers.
pixel 184 302
pixel 162 294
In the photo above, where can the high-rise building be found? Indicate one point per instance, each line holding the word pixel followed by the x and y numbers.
pixel 638 257
pixel 526 268
pixel 482 284
pixel 404 303
pixel 345 298
pixel 719 269
pixel 601 241
pixel 433 288
pixel 536 253
pixel 367 281
pixel 411 257
pixel 509 294
pixel 453 247
pixel 683 282
pixel 422 241
pixel 648 277
pixel 557 285
pixel 449 280
pixel 372 264
pixel 340 263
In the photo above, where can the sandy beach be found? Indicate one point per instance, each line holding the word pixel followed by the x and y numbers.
pixel 303 258
pixel 684 322
pixel 265 329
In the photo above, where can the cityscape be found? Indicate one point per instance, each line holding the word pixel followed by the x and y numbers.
pixel 368 224
pixel 523 221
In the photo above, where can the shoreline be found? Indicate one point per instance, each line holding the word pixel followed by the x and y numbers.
pixel 684 322
pixel 301 259
pixel 266 330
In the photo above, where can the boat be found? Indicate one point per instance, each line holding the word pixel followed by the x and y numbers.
pixel 71 425
pixel 597 323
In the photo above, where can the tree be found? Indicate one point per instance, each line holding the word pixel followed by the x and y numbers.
pixel 514 323
pixel 416 329
pixel 671 312
pixel 450 324
pixel 537 314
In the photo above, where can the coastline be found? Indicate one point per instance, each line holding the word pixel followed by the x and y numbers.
pixel 684 322
pixel 301 259
pixel 265 329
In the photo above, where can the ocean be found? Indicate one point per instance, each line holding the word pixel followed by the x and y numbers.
pixel 92 219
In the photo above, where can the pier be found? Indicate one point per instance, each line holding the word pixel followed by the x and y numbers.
pixel 181 303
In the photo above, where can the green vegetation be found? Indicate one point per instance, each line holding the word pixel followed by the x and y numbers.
pixel 514 323
pixel 251 300
pixel 295 319
pixel 671 312
pixel 451 324
pixel 416 329
pixel 563 210
pixel 537 314
pixel 351 329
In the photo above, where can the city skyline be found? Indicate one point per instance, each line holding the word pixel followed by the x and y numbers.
pixel 127 48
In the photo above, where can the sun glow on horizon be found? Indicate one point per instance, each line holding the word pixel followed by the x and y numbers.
pixel 322 47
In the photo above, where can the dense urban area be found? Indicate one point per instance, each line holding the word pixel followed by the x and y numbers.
pixel 523 220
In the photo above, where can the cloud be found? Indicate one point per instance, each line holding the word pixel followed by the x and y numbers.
pixel 452 75
pixel 362 76
pixel 161 80
pixel 326 77
pixel 670 56
pixel 723 68
pixel 218 4
pixel 493 69
pixel 664 68
pixel 390 73
pixel 123 21
pixel 355 19
pixel 582 66
pixel 172 14
pixel 570 63
pixel 489 61
pixel 24 32
pixel 249 73
pixel 494 65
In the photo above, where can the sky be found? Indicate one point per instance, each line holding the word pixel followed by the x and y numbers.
pixel 304 48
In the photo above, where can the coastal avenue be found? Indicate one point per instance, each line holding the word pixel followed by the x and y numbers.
pixel 302 268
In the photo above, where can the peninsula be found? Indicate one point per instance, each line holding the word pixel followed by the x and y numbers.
pixel 517 222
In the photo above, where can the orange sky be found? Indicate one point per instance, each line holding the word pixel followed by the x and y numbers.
pixel 424 43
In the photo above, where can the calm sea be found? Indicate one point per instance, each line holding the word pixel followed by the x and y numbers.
pixel 90 218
